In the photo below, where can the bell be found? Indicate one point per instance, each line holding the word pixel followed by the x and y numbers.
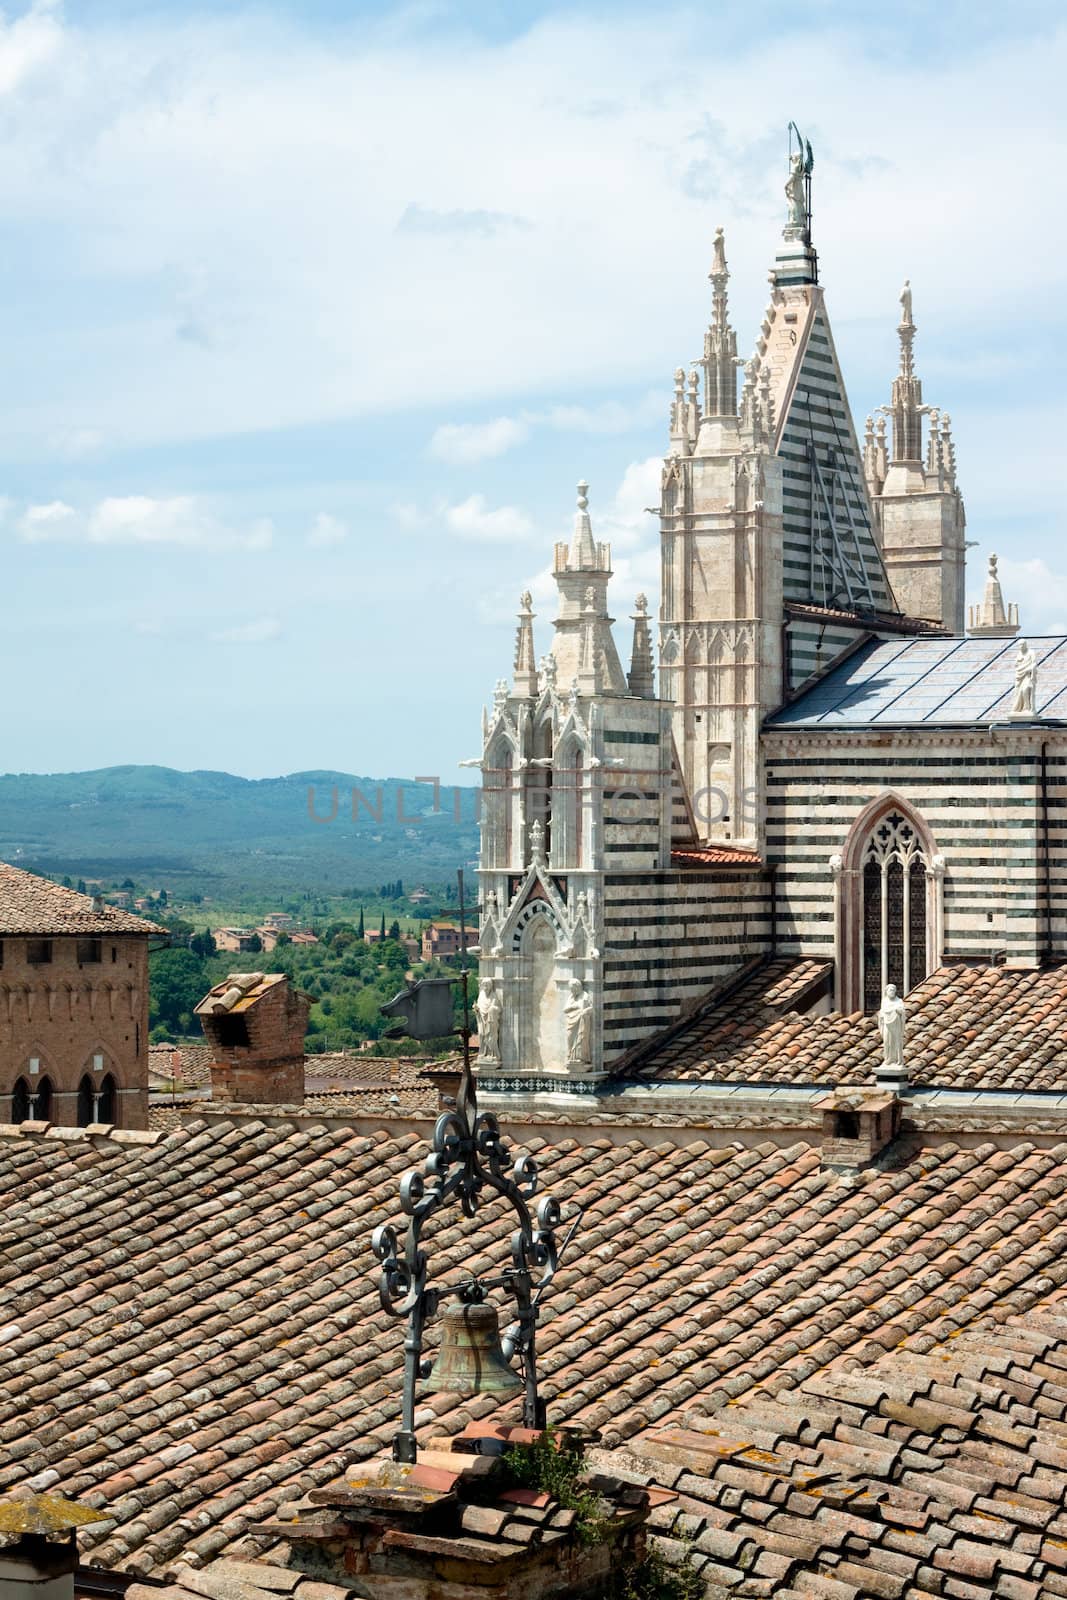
pixel 471 1360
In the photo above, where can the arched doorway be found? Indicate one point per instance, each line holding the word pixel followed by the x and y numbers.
pixel 41 1100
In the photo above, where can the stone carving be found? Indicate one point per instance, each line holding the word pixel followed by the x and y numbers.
pixel 905 301
pixel 537 843
pixel 891 1019
pixel 794 193
pixel 1025 682
pixel 487 1009
pixel 578 1021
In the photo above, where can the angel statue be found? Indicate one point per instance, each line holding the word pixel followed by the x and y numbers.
pixel 1025 682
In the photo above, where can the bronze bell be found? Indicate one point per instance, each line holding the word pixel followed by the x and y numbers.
pixel 470 1360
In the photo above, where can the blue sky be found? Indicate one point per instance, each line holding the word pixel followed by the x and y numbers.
pixel 313 314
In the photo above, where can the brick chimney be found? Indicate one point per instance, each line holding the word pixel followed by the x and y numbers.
pixel 255 1024
pixel 857 1127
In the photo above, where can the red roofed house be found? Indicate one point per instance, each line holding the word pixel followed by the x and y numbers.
pixel 73 1006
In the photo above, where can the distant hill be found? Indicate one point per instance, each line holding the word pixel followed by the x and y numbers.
pixel 240 834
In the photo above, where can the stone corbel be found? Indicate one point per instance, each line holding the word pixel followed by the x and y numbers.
pixel 90 991
pixel 31 996
pixel 50 1001
pixel 132 995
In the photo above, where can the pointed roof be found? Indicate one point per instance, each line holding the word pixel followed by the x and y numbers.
pixel 992 619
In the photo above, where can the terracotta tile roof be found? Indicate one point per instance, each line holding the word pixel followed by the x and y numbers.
pixel 876 621
pixel 925 1474
pixel 380 1072
pixel 239 991
pixel 192 1336
pixel 35 906
pixel 194 1063
pixel 968 1028
pixel 714 855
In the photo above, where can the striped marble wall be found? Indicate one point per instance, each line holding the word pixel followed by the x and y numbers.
pixel 669 936
pixel 980 794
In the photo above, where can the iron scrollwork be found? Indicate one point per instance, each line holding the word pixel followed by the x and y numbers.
pixel 469 1162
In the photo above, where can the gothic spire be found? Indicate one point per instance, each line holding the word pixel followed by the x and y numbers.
pixel 583 551
pixel 906 405
pixel 992 619
pixel 640 676
pixel 525 681
pixel 720 342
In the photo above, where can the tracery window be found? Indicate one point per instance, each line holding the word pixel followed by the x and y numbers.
pixel 895 919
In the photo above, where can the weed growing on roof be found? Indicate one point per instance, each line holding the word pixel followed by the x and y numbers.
pixel 656 1578
pixel 554 1466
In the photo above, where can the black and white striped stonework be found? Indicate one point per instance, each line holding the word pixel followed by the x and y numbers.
pixel 995 808
pixel 819 416
pixel 668 937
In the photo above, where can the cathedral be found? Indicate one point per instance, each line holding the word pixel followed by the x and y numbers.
pixel 814 755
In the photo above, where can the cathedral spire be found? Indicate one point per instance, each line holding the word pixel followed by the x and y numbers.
pixel 720 342
pixel 992 619
pixel 906 405
pixel 640 676
pixel 583 551
pixel 525 681
pixel 583 647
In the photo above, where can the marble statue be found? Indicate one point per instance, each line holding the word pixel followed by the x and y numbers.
pixel 1025 682
pixel 537 843
pixel 891 1020
pixel 578 1021
pixel 905 301
pixel 794 193
pixel 487 1009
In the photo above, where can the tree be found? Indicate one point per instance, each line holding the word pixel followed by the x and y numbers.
pixel 361 931
pixel 161 899
pixel 255 943
pixel 394 929
pixel 178 980
pixel 128 883
pixel 283 938
pixel 381 934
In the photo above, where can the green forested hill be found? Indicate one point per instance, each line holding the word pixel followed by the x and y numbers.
pixel 233 835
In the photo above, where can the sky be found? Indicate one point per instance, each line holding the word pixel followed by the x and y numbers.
pixel 313 314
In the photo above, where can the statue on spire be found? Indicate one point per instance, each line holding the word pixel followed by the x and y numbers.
pixel 798 188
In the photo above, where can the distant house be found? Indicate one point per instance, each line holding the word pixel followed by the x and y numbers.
pixel 268 935
pixel 234 940
pixel 278 920
pixel 303 938
pixel 374 936
pixel 418 896
pixel 439 941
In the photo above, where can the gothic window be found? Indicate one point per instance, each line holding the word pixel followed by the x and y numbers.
pixel 41 1100
pixel 96 1101
pixel 498 795
pixel 20 1101
pixel 895 909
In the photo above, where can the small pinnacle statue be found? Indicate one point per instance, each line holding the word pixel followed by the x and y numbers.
pixel 537 843
pixel 487 1009
pixel 891 1019
pixel 1025 682
pixel 905 302
pixel 578 1020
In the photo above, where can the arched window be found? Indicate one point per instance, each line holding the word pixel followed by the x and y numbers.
pixel 498 798
pixel 20 1101
pixel 86 1102
pixel 539 786
pixel 41 1100
pixel 888 906
pixel 96 1101
pixel 106 1100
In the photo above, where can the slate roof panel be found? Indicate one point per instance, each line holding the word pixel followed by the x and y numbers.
pixel 936 681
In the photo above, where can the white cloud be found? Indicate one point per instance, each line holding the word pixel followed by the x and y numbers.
pixel 56 520
pixel 472 519
pixel 136 519
pixel 260 631
pixel 326 531
pixel 174 188
pixel 406 514
pixel 1037 589
pixel 463 442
